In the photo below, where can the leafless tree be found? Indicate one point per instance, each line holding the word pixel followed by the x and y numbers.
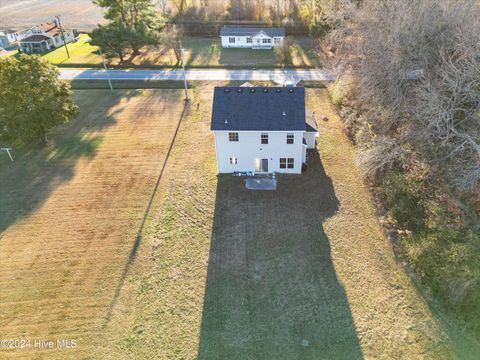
pixel 416 65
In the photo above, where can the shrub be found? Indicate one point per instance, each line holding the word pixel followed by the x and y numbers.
pixel 403 197
pixel 446 261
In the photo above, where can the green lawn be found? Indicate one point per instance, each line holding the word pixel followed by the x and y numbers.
pixel 7 53
pixel 81 52
pixel 199 52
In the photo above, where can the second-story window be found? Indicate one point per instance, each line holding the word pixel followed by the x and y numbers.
pixel 264 138
pixel 233 136
pixel 290 138
pixel 231 40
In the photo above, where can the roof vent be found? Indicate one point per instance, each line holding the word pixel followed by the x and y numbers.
pixel 227 90
pixel 252 90
pixel 265 90
pixel 239 90
pixel 226 121
pixel 290 91
pixel 278 90
pixel 284 113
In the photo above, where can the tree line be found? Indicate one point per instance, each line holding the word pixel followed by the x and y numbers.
pixel 138 23
pixel 409 91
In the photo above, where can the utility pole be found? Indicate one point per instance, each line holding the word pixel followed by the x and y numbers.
pixel 8 152
pixel 106 69
pixel 63 35
pixel 182 51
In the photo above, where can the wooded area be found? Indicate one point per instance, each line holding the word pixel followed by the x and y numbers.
pixel 410 96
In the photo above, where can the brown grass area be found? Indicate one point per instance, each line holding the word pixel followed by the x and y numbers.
pixel 302 273
pixel 69 216
pixel 217 272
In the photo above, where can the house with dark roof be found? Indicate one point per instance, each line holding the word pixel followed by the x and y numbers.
pixel 251 37
pixel 262 129
pixel 45 37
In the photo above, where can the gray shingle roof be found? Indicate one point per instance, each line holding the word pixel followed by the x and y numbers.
pixel 34 38
pixel 258 108
pixel 250 31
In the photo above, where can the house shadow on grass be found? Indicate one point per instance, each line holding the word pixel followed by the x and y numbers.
pixel 272 290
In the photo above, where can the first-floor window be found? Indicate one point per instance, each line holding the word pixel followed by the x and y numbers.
pixel 266 41
pixel 233 136
pixel 277 40
pixel 287 163
pixel 231 40
pixel 249 40
pixel 233 160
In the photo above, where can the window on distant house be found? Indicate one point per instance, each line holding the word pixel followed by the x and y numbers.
pixel 290 163
pixel 231 40
pixel 233 160
pixel 290 138
pixel 249 40
pixel 283 163
pixel 277 40
pixel 233 136
pixel 266 41
pixel 264 138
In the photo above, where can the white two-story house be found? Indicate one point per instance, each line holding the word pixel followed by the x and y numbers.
pixel 45 37
pixel 251 37
pixel 261 129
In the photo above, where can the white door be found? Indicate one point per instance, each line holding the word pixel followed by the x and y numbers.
pixel 261 165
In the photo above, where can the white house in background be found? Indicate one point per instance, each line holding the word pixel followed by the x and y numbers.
pixel 45 37
pixel 9 38
pixel 251 37
pixel 262 129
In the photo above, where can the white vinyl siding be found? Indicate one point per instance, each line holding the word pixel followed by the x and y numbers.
pixel 250 148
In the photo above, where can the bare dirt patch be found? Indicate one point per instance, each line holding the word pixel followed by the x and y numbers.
pixel 19 14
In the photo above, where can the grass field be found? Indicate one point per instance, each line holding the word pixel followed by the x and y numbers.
pixel 101 243
pixel 303 273
pixel 81 52
pixel 69 215
pixel 199 52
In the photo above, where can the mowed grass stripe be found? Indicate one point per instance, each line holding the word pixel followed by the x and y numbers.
pixel 62 253
pixel 230 274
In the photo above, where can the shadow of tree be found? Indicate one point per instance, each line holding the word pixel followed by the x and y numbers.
pixel 28 181
pixel 272 290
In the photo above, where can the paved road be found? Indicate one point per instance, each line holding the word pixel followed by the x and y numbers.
pixel 279 76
